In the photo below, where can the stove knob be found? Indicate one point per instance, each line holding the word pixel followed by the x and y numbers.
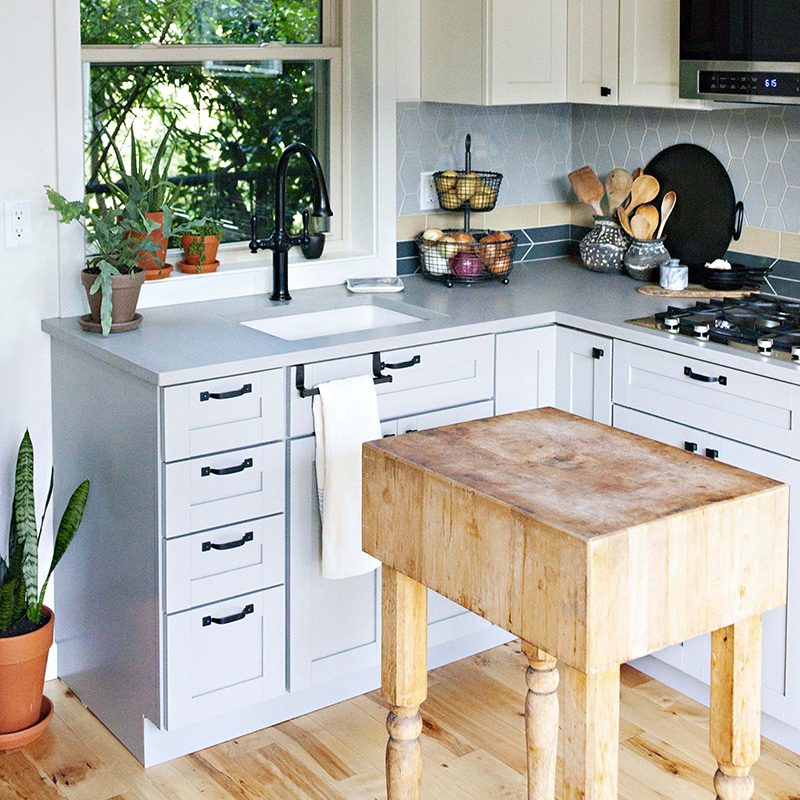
pixel 765 346
pixel 672 324
pixel 796 353
pixel 702 331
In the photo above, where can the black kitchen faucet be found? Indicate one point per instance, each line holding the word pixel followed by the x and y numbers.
pixel 281 241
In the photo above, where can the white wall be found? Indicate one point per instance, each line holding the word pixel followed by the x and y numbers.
pixel 28 275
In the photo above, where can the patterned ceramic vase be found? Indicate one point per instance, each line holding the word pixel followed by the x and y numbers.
pixel 644 259
pixel 603 248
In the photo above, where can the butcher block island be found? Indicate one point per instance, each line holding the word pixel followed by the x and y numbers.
pixel 595 547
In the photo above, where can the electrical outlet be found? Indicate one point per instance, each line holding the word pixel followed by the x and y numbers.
pixel 18 223
pixel 428 199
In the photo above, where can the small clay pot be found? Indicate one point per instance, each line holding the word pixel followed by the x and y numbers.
pixel 124 295
pixel 23 660
pixel 315 245
pixel 152 260
pixel 200 249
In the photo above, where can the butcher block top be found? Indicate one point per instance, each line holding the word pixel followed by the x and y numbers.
pixel 543 522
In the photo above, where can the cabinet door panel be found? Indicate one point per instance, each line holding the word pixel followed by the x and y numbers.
pixel 593 51
pixel 526 370
pixel 583 374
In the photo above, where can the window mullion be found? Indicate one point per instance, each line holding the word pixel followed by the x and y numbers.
pixel 184 54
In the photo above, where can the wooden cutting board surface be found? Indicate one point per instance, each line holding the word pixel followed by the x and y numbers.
pixel 694 292
pixel 572 474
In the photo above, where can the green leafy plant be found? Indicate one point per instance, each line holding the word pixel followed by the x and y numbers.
pixel 116 239
pixel 20 596
pixel 202 227
pixel 150 186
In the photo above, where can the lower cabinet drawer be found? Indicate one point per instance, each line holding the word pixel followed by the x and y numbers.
pixel 225 562
pixel 212 491
pixel 225 656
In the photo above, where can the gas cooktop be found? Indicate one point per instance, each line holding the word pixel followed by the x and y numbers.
pixel 760 323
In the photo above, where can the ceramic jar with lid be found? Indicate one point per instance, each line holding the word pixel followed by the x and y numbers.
pixel 603 248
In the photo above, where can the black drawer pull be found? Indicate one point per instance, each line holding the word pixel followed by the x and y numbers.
pixel 412 362
pixel 246 464
pixel 597 353
pixel 208 546
pixel 690 446
pixel 605 91
pixel 227 620
pixel 246 389
pixel 696 376
pixel 712 454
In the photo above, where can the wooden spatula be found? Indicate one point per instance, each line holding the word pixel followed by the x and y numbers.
pixel 618 187
pixel 588 188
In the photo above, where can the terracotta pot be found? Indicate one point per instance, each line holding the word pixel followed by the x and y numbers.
pixel 207 249
pixel 23 660
pixel 156 260
pixel 125 295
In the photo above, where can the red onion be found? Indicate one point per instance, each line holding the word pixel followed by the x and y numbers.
pixel 466 265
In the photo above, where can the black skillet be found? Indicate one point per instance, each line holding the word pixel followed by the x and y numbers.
pixel 706 215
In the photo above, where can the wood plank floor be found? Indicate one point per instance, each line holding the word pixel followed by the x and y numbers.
pixel 473 744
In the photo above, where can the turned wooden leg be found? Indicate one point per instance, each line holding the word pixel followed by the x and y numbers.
pixel 736 707
pixel 404 680
pixel 541 722
pixel 591 734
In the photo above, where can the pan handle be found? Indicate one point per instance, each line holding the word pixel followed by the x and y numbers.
pixel 739 223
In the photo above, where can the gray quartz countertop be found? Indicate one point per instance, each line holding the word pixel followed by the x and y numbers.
pixel 184 343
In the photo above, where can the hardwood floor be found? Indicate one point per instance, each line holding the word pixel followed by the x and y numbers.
pixel 473 745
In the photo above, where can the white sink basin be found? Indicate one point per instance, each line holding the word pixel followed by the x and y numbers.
pixel 328 323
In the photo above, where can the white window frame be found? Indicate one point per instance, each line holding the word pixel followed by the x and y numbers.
pixel 362 154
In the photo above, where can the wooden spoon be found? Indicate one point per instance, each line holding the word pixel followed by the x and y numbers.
pixel 645 189
pixel 624 220
pixel 650 213
pixel 667 207
pixel 618 187
pixel 588 188
pixel 641 227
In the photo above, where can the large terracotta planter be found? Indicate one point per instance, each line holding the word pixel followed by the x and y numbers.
pixel 125 296
pixel 200 249
pixel 156 260
pixel 23 660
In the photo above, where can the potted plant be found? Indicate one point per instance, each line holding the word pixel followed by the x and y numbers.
pixel 117 240
pixel 152 187
pixel 26 624
pixel 200 241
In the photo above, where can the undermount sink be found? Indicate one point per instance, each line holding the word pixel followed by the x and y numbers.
pixel 329 323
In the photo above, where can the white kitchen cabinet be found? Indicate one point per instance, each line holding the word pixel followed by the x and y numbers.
pixel 494 52
pixel 525 370
pixel 335 625
pixel 583 374
pixel 649 55
pixel 781 686
pixel 593 52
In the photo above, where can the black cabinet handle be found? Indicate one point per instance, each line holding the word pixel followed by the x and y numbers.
pixel 248 537
pixel 227 620
pixel 605 91
pixel 712 454
pixel 690 446
pixel 246 389
pixel 412 362
pixel 696 376
pixel 246 464
pixel 597 353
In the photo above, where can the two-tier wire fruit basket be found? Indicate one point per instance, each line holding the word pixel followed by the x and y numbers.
pixel 466 256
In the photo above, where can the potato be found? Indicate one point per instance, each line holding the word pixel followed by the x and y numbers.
pixel 447 180
pixel 467 185
pixel 450 200
pixel 484 198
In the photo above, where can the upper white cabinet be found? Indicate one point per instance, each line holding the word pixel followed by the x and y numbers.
pixel 593 52
pixel 649 49
pixel 494 52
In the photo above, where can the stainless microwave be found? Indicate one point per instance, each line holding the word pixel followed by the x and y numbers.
pixel 740 50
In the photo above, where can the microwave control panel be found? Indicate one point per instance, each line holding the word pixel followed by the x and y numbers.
pixel 759 84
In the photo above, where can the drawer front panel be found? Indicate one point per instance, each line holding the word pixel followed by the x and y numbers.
pixel 225 656
pixel 447 374
pixel 745 407
pixel 205 567
pixel 224 414
pixel 213 491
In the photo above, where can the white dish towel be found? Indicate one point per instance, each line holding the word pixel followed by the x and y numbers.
pixel 345 416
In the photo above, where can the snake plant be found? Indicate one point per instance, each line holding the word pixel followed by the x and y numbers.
pixel 20 596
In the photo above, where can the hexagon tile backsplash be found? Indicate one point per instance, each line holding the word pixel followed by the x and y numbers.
pixel 536 146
